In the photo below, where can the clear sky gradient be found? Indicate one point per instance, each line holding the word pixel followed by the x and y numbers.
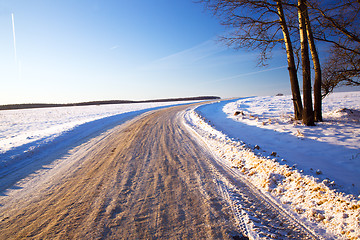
pixel 87 50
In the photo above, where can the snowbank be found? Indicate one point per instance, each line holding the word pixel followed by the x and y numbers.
pixel 331 150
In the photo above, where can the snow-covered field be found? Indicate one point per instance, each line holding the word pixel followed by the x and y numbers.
pixel 312 171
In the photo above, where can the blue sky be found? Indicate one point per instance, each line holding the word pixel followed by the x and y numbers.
pixel 86 50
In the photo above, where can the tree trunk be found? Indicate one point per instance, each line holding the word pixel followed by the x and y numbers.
pixel 317 68
pixel 295 90
pixel 308 114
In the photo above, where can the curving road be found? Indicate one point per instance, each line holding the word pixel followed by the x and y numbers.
pixel 147 179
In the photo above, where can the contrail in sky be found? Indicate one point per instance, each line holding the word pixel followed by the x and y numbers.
pixel 13 27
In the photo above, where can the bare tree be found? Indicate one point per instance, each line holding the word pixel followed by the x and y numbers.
pixel 308 114
pixel 263 24
pixel 341 68
pixel 291 62
pixel 317 68
pixel 338 25
pixel 259 25
pixel 305 25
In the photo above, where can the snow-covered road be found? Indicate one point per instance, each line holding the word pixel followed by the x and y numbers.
pixel 261 146
pixel 147 178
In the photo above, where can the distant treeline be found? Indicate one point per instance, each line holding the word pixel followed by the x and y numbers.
pixel 47 105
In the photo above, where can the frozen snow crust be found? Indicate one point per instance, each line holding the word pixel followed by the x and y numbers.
pixel 307 195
